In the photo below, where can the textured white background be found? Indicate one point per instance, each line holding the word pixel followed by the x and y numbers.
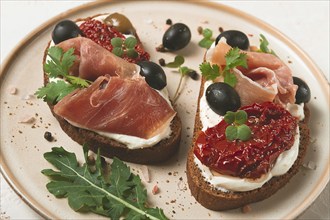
pixel 305 22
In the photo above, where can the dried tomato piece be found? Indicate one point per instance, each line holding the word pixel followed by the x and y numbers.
pixel 273 132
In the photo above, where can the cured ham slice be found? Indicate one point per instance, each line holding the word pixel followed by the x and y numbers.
pixel 260 89
pixel 267 78
pixel 117 105
pixel 92 60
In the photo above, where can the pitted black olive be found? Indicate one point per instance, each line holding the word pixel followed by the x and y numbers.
pixel 234 38
pixel 154 74
pixel 65 30
pixel 303 94
pixel 176 37
pixel 221 98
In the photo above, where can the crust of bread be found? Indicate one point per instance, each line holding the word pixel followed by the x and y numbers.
pixel 217 200
pixel 160 152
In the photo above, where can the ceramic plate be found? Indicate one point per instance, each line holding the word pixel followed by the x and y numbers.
pixel 23 145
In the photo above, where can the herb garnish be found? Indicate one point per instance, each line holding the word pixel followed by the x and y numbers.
pixel 237 128
pixel 207 40
pixel 183 70
pixel 233 59
pixel 264 45
pixel 127 46
pixel 114 194
pixel 58 66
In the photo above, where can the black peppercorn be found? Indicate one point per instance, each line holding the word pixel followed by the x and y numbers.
pixel 48 136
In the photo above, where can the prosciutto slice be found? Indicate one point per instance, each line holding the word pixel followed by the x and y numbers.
pixel 92 60
pixel 267 78
pixel 117 105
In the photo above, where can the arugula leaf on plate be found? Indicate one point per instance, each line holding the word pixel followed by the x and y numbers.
pixel 116 194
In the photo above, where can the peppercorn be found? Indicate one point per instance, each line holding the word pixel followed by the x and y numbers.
pixel 162 62
pixel 193 74
pixel 48 136
pixel 169 22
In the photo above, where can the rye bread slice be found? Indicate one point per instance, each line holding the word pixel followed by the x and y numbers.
pixel 217 200
pixel 160 152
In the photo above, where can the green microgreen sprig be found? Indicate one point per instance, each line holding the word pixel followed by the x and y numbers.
pixel 234 58
pixel 263 48
pixel 237 129
pixel 207 40
pixel 183 70
pixel 122 47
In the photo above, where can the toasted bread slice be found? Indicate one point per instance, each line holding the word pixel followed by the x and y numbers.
pixel 217 200
pixel 161 151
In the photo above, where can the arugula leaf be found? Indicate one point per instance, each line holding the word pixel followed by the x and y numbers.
pixel 54 91
pixel 264 45
pixel 208 71
pixel 89 191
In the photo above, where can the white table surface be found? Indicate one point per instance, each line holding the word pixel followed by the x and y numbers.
pixel 305 22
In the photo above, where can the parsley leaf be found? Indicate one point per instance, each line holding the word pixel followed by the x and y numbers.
pixel 234 58
pixel 264 45
pixel 59 66
pixel 87 189
pixel 208 71
pixel 55 91
pixel 60 62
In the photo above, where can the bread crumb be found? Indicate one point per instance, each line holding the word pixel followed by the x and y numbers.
pixel 246 209
pixel 149 21
pixel 310 165
pixel 155 190
pixel 27 119
pixel 145 173
pixel 12 90
pixel 27 97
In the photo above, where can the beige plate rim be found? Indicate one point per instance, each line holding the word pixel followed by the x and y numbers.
pixel 31 36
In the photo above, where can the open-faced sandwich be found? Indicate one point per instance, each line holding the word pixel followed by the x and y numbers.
pixel 105 93
pixel 251 129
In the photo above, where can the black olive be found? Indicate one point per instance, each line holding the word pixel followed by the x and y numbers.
pixel 176 37
pixel 303 93
pixel 234 38
pixel 154 74
pixel 221 98
pixel 65 30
